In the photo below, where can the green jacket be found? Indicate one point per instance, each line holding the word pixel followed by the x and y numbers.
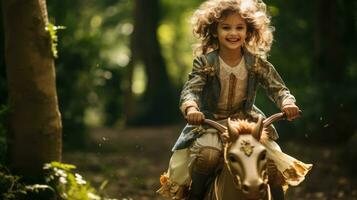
pixel 203 88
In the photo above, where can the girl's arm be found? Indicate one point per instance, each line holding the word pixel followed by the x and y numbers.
pixel 192 90
pixel 275 87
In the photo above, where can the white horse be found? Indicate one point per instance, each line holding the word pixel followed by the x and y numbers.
pixel 244 173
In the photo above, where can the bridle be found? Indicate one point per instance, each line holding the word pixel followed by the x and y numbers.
pixel 224 136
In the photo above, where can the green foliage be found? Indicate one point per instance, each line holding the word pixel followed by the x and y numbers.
pixel 59 180
pixel 68 184
pixel 52 30
pixel 12 188
pixel 94 54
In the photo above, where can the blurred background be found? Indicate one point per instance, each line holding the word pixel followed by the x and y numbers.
pixel 122 64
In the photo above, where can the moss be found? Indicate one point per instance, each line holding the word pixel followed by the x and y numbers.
pixel 52 30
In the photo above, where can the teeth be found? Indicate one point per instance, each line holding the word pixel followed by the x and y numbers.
pixel 231 40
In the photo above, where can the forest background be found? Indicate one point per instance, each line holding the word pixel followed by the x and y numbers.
pixel 121 65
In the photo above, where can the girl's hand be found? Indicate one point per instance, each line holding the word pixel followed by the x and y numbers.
pixel 292 111
pixel 194 116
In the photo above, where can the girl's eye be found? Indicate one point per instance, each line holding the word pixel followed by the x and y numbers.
pixel 240 28
pixel 225 28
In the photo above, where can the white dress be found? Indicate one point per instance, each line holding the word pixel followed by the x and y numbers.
pixel 176 181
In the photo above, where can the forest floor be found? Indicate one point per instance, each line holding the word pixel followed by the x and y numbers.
pixel 130 162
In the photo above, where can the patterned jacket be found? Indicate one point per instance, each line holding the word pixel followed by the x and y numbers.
pixel 202 91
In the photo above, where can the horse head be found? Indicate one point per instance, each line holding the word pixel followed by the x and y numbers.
pixel 245 157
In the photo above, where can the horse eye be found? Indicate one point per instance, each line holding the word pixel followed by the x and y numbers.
pixel 232 158
pixel 263 155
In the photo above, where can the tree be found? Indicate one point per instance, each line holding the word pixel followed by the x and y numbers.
pixel 159 93
pixel 34 122
pixel 332 60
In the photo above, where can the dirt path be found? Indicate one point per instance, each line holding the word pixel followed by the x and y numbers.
pixel 131 161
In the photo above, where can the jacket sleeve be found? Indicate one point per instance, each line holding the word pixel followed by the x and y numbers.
pixel 273 84
pixel 192 90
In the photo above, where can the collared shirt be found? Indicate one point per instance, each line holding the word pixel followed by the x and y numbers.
pixel 203 88
pixel 233 86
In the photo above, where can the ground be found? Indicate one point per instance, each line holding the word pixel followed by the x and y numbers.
pixel 127 163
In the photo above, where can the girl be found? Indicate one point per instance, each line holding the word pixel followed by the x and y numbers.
pixel 236 37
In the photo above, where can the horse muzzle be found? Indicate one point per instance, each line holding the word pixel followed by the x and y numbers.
pixel 254 189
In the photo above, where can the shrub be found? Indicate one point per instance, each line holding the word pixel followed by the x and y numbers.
pixel 60 181
pixel 68 184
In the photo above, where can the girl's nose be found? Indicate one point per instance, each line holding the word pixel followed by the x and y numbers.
pixel 233 32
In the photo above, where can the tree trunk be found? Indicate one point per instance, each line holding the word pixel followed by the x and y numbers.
pixel 330 69
pixel 35 122
pixel 129 108
pixel 330 52
pixel 159 100
pixel 3 89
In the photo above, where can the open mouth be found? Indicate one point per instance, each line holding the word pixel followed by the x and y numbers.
pixel 233 40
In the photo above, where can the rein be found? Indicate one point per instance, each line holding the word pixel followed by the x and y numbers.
pixel 223 134
pixel 237 178
pixel 238 183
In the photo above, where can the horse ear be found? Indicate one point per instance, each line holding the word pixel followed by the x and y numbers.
pixel 232 132
pixel 257 133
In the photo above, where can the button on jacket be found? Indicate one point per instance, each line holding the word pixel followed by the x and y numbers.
pixel 203 88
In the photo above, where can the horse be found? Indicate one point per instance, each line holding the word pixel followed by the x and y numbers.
pixel 244 173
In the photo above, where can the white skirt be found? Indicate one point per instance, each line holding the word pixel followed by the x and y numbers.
pixel 176 181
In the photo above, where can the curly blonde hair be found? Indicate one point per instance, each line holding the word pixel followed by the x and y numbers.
pixel 254 12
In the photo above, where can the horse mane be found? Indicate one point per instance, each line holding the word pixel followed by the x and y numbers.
pixel 244 127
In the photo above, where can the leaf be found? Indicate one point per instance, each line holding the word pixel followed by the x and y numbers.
pixel 103 185
pixel 37 188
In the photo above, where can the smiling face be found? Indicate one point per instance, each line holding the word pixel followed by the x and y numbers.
pixel 231 32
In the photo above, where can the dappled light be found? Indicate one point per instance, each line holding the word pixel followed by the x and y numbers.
pixel 97 86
